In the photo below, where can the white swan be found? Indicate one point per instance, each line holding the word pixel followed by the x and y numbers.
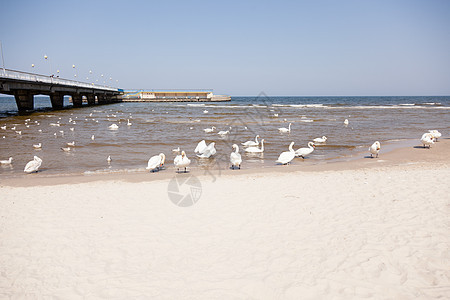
pixel 436 134
pixel 33 166
pixel 209 151
pixel 302 152
pixel 72 144
pixel 129 123
pixel 208 130
pixel 113 127
pixel 251 143
pixel 256 149
pixel 223 132
pixel 287 156
pixel 284 130
pixel 6 162
pixel 182 161
pixel 320 140
pixel 427 140
pixel 156 162
pixel 201 146
pixel 67 149
pixel 176 150
pixel 375 148
pixel 235 157
pixel 345 122
pixel 108 159
pixel 93 137
pixel 3 127
pixel 38 146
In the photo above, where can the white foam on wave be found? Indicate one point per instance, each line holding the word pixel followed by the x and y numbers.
pixel 113 171
pixel 307 120
pixel 407 104
pixel 300 105
pixel 432 103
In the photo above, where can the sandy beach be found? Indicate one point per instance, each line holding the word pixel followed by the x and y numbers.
pixel 366 228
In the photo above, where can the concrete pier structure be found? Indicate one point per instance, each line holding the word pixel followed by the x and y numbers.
pixel 173 96
pixel 24 86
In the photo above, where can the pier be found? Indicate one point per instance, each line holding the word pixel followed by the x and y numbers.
pixel 173 96
pixel 24 86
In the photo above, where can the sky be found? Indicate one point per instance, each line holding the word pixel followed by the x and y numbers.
pixel 301 48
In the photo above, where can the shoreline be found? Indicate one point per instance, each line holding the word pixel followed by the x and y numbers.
pixel 401 152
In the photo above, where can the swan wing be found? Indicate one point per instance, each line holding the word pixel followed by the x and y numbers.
pixel 153 162
pixel 286 157
pixel 201 146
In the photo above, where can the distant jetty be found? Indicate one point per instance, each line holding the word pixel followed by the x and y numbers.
pixel 173 96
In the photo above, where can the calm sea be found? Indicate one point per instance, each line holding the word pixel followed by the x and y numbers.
pixel 161 127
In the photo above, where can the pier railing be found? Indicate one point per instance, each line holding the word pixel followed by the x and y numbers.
pixel 19 75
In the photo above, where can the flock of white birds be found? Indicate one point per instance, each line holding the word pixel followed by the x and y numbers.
pixel 204 151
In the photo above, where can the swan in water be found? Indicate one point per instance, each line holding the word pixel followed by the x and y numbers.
pixel 302 152
pixel 65 149
pixel 436 134
pixel 33 166
pixel 72 144
pixel 251 143
pixel 256 149
pixel 38 146
pixel 72 129
pixel 205 111
pixel 3 127
pixel 375 148
pixel 93 137
pixel 287 156
pixel 201 146
pixel 113 127
pixel 320 140
pixel 284 130
pixel 235 157
pixel 155 163
pixel 208 130
pixel 6 162
pixel 176 150
pixel 346 122
pixel 181 161
pixel 209 151
pixel 427 140
pixel 129 123
pixel 223 132
pixel 108 159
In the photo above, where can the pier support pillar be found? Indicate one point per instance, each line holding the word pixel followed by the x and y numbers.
pixel 101 99
pixel 77 100
pixel 24 100
pixel 57 100
pixel 90 99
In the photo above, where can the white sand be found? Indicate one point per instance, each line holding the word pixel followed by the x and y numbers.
pixel 369 233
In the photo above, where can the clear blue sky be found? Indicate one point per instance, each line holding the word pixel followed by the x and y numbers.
pixel 308 48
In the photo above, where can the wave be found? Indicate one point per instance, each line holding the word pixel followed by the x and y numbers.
pixel 299 105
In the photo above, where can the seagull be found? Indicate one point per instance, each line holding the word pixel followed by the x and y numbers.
pixel 3 127
pixel 375 148
pixel 72 129
pixel 33 165
pixel 6 162
pixel 346 122
pixel 38 146
pixel 19 132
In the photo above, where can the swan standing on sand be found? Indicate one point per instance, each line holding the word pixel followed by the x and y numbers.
pixel 182 161
pixel 436 134
pixel 287 156
pixel 6 162
pixel 302 152
pixel 256 149
pixel 427 140
pixel 320 140
pixel 201 147
pixel 33 166
pixel 209 151
pixel 251 143
pixel 235 157
pixel 284 130
pixel 209 130
pixel 155 163
pixel 375 148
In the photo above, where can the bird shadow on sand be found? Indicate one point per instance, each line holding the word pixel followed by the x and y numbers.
pixel 368 156
pixel 420 147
